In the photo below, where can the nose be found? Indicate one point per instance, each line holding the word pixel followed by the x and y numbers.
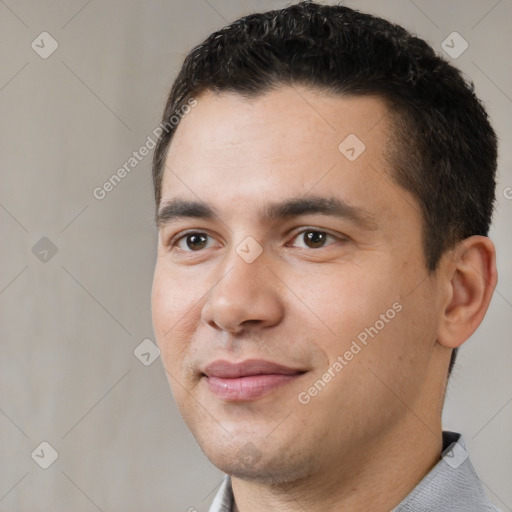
pixel 246 295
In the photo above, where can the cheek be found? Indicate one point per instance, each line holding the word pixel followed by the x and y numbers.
pixel 374 327
pixel 393 336
pixel 162 309
pixel 348 300
pixel 173 306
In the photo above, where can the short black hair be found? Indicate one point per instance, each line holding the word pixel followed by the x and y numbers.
pixel 445 150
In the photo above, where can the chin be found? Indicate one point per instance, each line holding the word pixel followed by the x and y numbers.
pixel 269 466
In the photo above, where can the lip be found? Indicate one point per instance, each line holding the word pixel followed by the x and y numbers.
pixel 247 380
pixel 226 369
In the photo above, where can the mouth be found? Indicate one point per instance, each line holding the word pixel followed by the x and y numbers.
pixel 247 380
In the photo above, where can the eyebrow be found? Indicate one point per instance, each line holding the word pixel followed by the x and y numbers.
pixel 179 208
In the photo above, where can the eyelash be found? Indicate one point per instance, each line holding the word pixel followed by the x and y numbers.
pixel 176 240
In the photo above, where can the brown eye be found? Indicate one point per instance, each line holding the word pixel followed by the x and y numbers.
pixel 193 241
pixel 314 239
pixel 196 241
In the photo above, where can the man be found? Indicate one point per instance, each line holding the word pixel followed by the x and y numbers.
pixel 324 190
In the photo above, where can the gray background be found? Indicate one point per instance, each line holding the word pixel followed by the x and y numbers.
pixel 69 322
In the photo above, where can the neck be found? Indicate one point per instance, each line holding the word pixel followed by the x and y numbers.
pixel 374 477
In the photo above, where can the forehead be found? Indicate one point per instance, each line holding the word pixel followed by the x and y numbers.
pixel 275 122
pixel 292 141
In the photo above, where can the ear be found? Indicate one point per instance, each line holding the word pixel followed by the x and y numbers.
pixel 470 276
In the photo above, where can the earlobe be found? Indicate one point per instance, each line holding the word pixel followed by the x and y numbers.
pixel 471 280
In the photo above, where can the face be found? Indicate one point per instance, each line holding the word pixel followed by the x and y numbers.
pixel 291 301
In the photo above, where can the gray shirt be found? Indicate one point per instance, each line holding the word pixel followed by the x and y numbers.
pixel 451 486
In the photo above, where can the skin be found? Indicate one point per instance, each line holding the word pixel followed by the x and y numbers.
pixel 371 434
